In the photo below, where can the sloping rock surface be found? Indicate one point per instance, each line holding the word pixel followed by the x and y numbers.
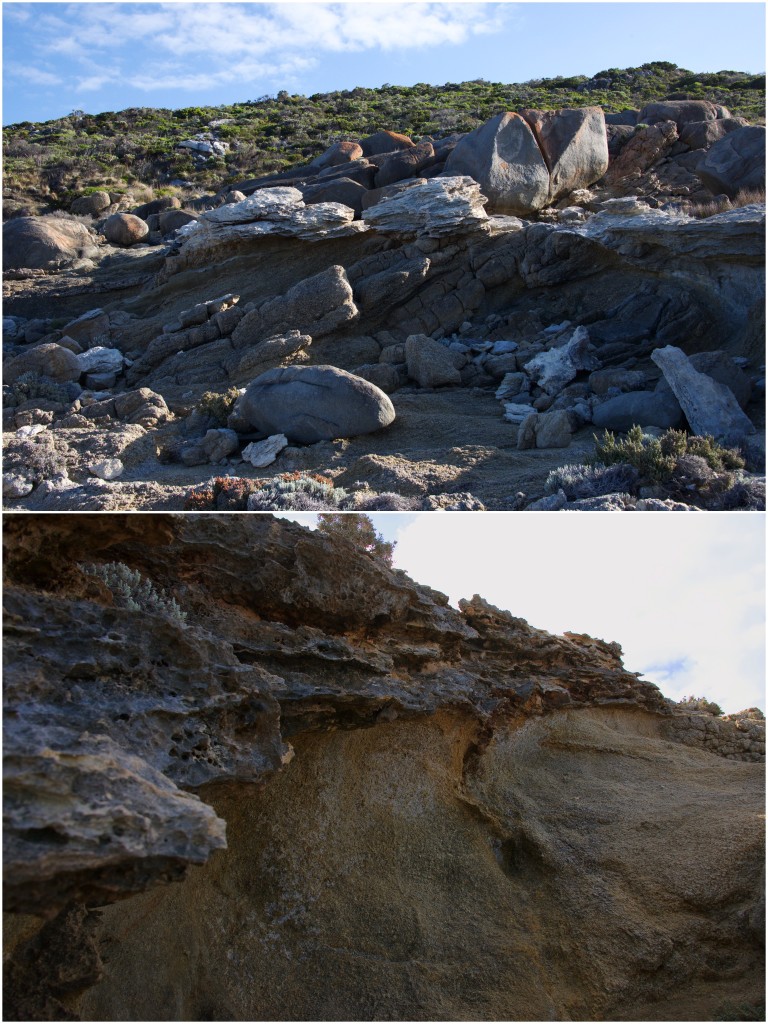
pixel 430 813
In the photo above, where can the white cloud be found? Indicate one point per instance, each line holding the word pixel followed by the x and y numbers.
pixel 221 43
pixel 683 596
pixel 93 83
pixel 37 76
pixel 180 76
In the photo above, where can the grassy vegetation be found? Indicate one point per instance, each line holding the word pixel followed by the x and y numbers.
pixel 58 160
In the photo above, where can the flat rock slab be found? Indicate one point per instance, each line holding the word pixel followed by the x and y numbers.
pixel 264 453
pixel 709 407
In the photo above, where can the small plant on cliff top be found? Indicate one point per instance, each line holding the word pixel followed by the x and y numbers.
pixel 358 530
pixel 132 591
pixel 700 704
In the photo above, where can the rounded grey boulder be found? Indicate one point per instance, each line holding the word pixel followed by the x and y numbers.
pixel 311 403
pixel 736 162
pixel 44 243
pixel 91 205
pixel 125 229
pixel 644 408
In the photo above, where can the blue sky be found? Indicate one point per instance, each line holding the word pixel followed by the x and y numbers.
pixel 684 594
pixel 59 57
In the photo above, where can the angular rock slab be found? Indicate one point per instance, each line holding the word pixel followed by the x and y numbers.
pixel 86 819
pixel 264 453
pixel 317 305
pixel 709 407
pixel 429 363
pixel 504 159
pixel 440 206
pixel 313 403
pixel 575 146
pixel 736 162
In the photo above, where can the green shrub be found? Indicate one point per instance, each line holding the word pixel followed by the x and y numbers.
pixel 358 530
pixel 655 458
pixel 700 704
pixel 132 591
pixel 298 492
pixel 218 405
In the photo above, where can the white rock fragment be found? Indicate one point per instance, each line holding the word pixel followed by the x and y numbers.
pixel 58 483
pixel 515 412
pixel 30 429
pixel 108 469
pixel 100 359
pixel 15 486
pixel 554 369
pixel 264 453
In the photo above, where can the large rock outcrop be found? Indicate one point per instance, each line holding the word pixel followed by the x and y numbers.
pixel 44 243
pixel 430 813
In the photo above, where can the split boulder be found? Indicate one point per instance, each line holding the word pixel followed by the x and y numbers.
pixel 574 144
pixel 502 156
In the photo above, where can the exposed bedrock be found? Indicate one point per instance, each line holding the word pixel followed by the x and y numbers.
pixel 429 813
pixel 645 280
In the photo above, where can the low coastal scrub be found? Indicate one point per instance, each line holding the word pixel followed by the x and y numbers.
pixel 138 148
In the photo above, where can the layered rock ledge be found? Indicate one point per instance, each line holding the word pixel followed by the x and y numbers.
pixel 368 804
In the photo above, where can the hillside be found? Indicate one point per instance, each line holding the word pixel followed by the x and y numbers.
pixel 52 162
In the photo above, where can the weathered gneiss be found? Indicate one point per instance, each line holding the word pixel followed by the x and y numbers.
pixel 441 814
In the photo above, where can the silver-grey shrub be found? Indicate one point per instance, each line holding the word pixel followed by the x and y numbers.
pixel 133 591
pixel 580 481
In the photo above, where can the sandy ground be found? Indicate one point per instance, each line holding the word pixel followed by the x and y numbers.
pixel 443 441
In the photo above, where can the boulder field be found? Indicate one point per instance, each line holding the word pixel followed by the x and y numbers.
pixel 300 786
pixel 462 312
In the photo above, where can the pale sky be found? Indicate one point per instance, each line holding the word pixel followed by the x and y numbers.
pixel 683 593
pixel 59 57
